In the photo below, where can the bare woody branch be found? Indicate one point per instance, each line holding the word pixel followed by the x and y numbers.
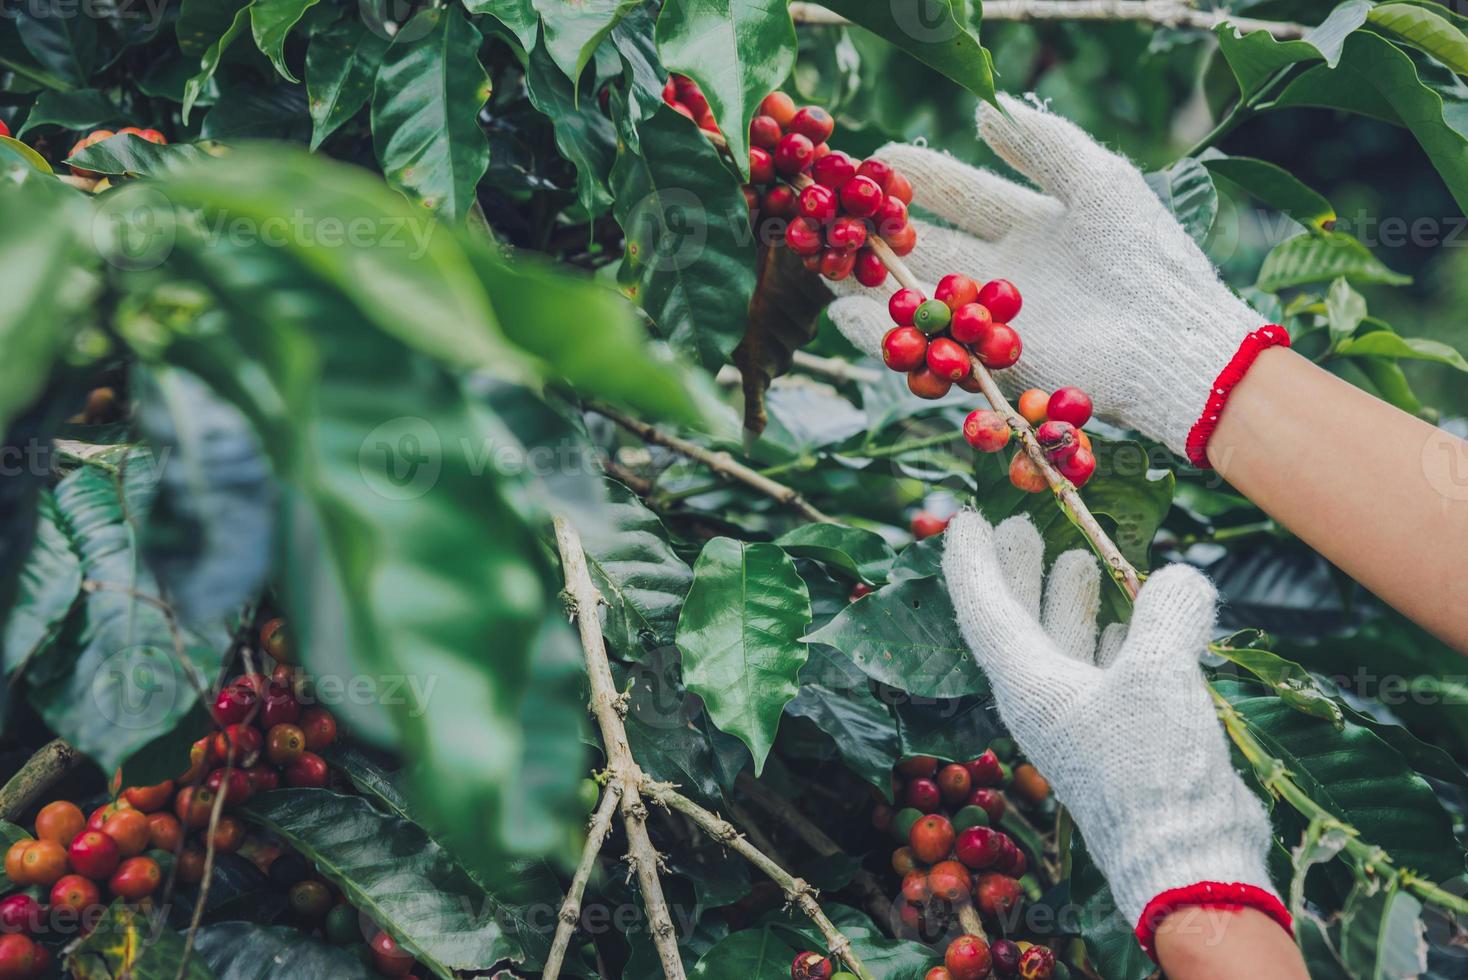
pixel 570 914
pixel 40 772
pixel 1160 13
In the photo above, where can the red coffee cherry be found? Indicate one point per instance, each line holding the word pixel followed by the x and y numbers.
pixel 979 847
pixel 925 525
pixel 836 263
pixel 814 123
pixel 1032 405
pixel 833 170
pixel 20 957
pixel 1000 346
pixel 900 188
pixel 902 304
pixel 764 132
pixel 93 854
pixel 1002 299
pixel 1005 954
pixel 136 878
pixel 1029 785
pixel 985 770
pixel 915 886
pixel 891 216
pixel 991 801
pixel 879 172
pixel 870 271
pixel 309 770
pixel 997 893
pixel 970 323
pixel 192 806
pixel 804 237
pixel 919 765
pixel 1071 405
pixel 949 881
pixel 233 783
pixel 821 151
pixel 810 966
pixel 793 154
pixel 818 203
pixel 948 359
pixel 954 783
pixel 778 106
pixel 923 794
pixel 967 958
pixel 931 838
pixel 761 165
pixel 901 240
pixel 926 384
pixel 956 290
pixel 1037 963
pixel 751 198
pixel 1058 439
pixel 388 958
pixel 1025 475
pixel 861 196
pixel 938 973
pixel 846 232
pixel 779 201
pixel 1078 466
pixel 904 348
pixel 987 432
pixel 21 913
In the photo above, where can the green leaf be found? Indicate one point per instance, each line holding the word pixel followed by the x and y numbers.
pixel 47 588
pixel 128 154
pixel 1320 258
pixel 518 15
pixel 573 30
pixel 1384 343
pixel 209 62
pixel 836 698
pixel 1187 190
pixel 738 51
pixel 948 728
pixel 1382 933
pixel 391 870
pixel 245 951
pixel 749 954
pixel 1255 57
pixel 127 942
pixel 208 537
pixel 936 33
pixel 584 135
pixel 13 151
pixel 1425 30
pixel 689 258
pixel 425 112
pixel 259 112
pixel 83 109
pixel 271 22
pixel 1109 937
pixel 117 652
pixel 890 959
pixel 740 633
pixel 1378 79
pixel 636 570
pixel 61 41
pixel 1276 187
pixel 859 553
pixel 1344 310
pixel 341 67
pixel 1390 382
pixel 1289 680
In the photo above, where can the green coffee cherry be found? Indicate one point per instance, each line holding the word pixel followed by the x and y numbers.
pixel 932 317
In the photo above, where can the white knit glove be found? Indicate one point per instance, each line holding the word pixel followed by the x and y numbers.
pixel 1118 300
pixel 1124 729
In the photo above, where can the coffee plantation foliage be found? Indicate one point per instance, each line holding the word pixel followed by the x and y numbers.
pixel 365 320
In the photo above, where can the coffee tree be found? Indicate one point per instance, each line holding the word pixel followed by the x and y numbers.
pixel 385 384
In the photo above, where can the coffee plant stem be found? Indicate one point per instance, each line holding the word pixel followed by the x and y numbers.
pixel 797 890
pixel 1163 13
pixel 570 914
pixel 720 462
pixel 609 707
pixel 833 368
pixel 41 771
pixel 970 921
pixel 204 882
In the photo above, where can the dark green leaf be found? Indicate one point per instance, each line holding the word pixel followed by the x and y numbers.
pixel 1382 935
pixel 48 586
pixel 127 154
pixel 213 54
pixel 271 22
pixel 1109 938
pixel 749 954
pixel 1276 187
pixel 253 112
pixel 956 729
pixel 425 112
pixel 860 553
pixel 61 41
pixel 584 135
pixel 1188 192
pixel 1320 258
pixel 83 109
pixel 572 31
pixel 245 951
pixel 933 31
pixel 836 698
pixel 518 15
pixel 740 633
pixel 341 67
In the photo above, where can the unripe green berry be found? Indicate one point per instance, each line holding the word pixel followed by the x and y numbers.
pixel 970 816
pixel 903 820
pixel 932 316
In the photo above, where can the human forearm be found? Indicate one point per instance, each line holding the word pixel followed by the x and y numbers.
pixel 1381 494
pixel 1198 943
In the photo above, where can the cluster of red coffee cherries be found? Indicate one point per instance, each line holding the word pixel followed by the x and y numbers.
pixel 934 340
pixel 1058 418
pixel 954 859
pixel 98 135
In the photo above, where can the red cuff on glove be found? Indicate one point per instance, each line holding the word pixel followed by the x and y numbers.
pixel 1209 895
pixel 1267 336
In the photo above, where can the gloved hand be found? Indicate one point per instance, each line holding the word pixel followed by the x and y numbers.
pixel 1118 300
pixel 1123 728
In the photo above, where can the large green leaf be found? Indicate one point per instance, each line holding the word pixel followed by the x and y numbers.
pixel 425 112
pixel 835 696
pixel 689 258
pixel 636 570
pixel 1256 56
pixel 935 32
pixel 740 633
pixel 858 552
pixel 1425 30
pixel 749 954
pixel 341 68
pixel 573 30
pixel 391 870
pixel 271 22
pixel 83 109
pixel 1276 187
pixel 1110 940
pixel 1290 681
pixel 245 951
pixel 218 44
pixel 518 15
pixel 1376 78
pixel 127 942
pixel 1382 934
pixel 1384 343
pixel 738 51
pixel 1187 190
pixel 47 587
pixel 117 653
pixel 127 154
pixel 60 40
pixel 584 135
pixel 1308 258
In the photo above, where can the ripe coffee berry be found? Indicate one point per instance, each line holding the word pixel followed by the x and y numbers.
pixel 129 828
pixel 902 304
pixel 149 798
pixel 999 347
pixel 818 203
pixel 388 958
pixel 948 359
pixel 987 432
pixel 21 913
pixel 779 201
pixel 164 831
pixel 926 384
pixel 60 821
pixel 953 783
pixel 931 838
pixel 1032 405
pixel 846 232
pixel 901 240
pixel 984 770
pixel 233 783
pixel 1077 467
pixel 192 806
pixel 903 860
pixel 932 316
pixel 904 348
pixel 235 703
pixel 1070 405
pixel 793 154
pixel 135 878
pixel 836 264
pixel 833 170
pixel 979 847
pixel 814 123
pixel 761 165
pixel 93 854
pixel 891 215
pixel 956 290
pixel 991 801
pixel 284 744
pixel 779 107
pixel 870 271
pixel 804 237
pixel 861 196
pixel 20 957
pixel 879 172
pixel 923 794
pixel 1002 299
pixel 967 958
pixel 1024 474
pixel 1029 785
pixel 938 973
pixel 970 323
pixel 949 881
pixel 1058 439
pixel 900 188
pixel 919 765
pixel 996 893
pixel 1036 963
pixel 309 770
pixel 1005 954
pixel 764 132
pixel 810 966
pixel 915 887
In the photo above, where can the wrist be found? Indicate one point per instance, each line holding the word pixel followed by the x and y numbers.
pixel 1175 912
pixel 1201 431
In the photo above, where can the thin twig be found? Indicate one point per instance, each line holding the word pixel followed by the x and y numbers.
pixel 833 368
pixel 198 916
pixel 41 771
pixel 797 890
pixel 1162 13
pixel 720 462
pixel 570 915
pixel 609 707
